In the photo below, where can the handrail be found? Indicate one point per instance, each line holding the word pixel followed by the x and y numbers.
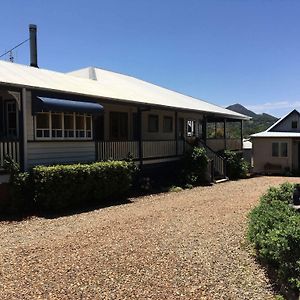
pixel 218 161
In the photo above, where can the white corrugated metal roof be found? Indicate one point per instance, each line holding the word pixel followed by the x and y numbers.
pixel 276 134
pixel 108 85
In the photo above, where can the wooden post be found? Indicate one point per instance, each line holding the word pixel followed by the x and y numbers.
pixel 176 131
pixel 242 133
pixel 204 129
pixel 23 132
pixel 225 137
pixel 140 123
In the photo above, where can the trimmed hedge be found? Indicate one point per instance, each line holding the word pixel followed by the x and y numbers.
pixel 274 230
pixel 63 187
pixel 58 188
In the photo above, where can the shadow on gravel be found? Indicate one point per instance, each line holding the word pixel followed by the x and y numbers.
pixel 12 217
pixel 84 209
pixel 279 287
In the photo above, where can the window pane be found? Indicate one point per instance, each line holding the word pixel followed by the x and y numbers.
pixel 42 120
pixel 152 123
pixel 190 128
pixel 211 130
pixel 275 149
pixel 56 121
pixel 69 124
pixel 88 121
pixel 79 122
pixel 283 150
pixel 219 130
pixel 294 124
pixel 168 124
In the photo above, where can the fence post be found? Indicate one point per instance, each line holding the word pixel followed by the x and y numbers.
pixel 212 170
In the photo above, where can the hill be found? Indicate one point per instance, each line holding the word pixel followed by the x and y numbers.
pixel 259 122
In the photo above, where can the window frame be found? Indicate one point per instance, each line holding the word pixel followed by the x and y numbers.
pixel 192 124
pixel 63 129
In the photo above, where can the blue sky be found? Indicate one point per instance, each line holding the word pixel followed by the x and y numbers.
pixel 223 51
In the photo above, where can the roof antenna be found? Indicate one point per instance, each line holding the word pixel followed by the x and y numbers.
pixel 33 45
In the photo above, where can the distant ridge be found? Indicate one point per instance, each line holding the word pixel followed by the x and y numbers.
pixel 242 110
pixel 259 122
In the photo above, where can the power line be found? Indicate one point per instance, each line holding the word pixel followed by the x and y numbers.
pixel 14 48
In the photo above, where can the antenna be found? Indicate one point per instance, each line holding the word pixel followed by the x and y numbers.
pixel 11 56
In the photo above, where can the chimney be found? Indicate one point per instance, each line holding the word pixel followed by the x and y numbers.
pixel 33 46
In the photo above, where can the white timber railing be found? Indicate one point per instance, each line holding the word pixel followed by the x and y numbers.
pixel 117 150
pixel 9 148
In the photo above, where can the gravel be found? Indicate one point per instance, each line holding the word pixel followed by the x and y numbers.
pixel 185 245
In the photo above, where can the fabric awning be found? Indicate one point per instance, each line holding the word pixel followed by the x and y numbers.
pixel 40 104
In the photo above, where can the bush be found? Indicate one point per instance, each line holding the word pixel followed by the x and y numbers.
pixel 195 163
pixel 236 166
pixel 20 200
pixel 58 188
pixel 274 229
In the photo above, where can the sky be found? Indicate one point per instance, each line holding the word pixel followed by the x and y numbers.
pixel 221 51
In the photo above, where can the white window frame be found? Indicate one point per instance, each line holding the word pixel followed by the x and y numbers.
pixel 64 137
pixel 193 128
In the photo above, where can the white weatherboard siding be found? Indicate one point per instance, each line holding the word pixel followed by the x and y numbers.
pixel 47 153
pixel 108 85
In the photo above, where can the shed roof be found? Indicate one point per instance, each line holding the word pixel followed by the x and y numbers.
pixel 277 134
pixel 106 84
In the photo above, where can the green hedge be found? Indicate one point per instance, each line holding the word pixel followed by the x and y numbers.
pixel 274 229
pixel 61 187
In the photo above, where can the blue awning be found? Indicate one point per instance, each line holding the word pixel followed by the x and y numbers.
pixel 40 104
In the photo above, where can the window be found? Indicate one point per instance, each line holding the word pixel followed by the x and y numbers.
pixel 219 130
pixel 53 125
pixel 294 124
pixel 283 150
pixel 11 119
pixel 280 148
pixel 168 124
pixel 200 129
pixel 80 126
pixel 190 127
pixel 211 130
pixel 57 128
pixel 69 125
pixel 118 126
pixel 153 123
pixel 43 125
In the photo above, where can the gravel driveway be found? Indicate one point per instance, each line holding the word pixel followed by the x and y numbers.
pixel 186 245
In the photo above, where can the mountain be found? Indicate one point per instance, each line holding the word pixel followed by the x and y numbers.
pixel 259 122
pixel 242 110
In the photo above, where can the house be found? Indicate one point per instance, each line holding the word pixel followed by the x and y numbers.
pixel 247 151
pixel 277 150
pixel 93 114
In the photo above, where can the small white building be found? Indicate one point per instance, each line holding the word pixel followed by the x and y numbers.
pixel 277 150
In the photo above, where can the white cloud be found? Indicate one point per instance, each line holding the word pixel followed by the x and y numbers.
pixel 272 107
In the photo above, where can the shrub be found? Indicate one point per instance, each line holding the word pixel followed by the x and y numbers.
pixel 274 229
pixel 195 163
pixel 20 192
pixel 62 187
pixel 236 166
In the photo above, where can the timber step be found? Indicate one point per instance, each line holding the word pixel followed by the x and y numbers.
pixel 221 180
